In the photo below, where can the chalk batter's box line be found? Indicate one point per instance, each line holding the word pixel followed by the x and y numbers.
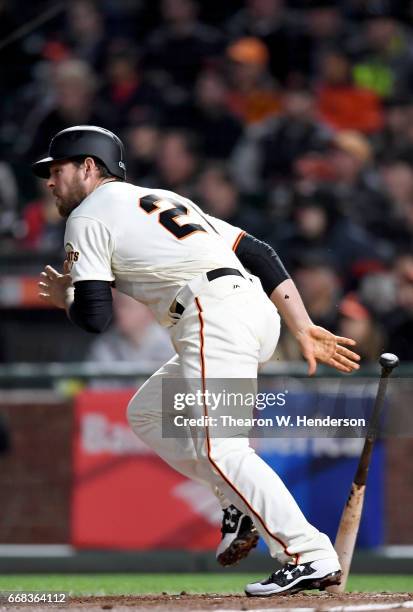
pixel 322 608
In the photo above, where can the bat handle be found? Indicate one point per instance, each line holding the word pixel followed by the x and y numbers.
pixel 373 430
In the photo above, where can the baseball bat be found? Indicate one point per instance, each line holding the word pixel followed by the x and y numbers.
pixel 350 519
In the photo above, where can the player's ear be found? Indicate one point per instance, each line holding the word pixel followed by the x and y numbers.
pixel 89 165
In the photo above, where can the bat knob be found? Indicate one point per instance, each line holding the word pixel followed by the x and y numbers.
pixel 389 361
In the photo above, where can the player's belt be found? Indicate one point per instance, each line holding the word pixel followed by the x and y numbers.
pixel 213 274
pixel 178 308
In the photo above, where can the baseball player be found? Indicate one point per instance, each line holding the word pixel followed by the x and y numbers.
pixel 191 270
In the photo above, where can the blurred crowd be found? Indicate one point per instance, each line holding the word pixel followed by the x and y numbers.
pixel 290 119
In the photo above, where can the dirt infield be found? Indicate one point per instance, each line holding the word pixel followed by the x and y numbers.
pixel 351 602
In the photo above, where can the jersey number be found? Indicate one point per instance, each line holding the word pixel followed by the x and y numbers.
pixel 168 217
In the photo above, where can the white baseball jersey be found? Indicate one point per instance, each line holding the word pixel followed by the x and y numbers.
pixel 151 242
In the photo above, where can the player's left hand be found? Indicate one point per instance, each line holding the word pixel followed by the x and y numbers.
pixel 319 345
pixel 54 286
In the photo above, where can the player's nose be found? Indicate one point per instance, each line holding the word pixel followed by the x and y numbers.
pixel 50 183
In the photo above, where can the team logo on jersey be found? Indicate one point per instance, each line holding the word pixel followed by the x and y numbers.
pixel 72 256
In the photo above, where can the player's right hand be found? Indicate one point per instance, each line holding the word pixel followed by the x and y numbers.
pixel 318 345
pixel 56 288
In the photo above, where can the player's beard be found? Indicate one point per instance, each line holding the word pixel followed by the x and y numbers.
pixel 75 196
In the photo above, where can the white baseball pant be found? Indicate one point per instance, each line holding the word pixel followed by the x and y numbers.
pixel 228 327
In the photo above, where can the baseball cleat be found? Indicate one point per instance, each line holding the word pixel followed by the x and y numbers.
pixel 294 578
pixel 239 536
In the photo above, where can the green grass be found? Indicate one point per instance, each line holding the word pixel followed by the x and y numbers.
pixel 129 584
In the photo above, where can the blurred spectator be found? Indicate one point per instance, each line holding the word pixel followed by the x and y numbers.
pixel 134 337
pixel 297 132
pixel 356 322
pixel 394 138
pixel 320 288
pixel 318 226
pixel 219 197
pixel 397 176
pixel 377 292
pixel 216 127
pixel 85 32
pixel 176 163
pixel 75 103
pixel 42 227
pixel 326 29
pixel 267 154
pixel 341 104
pixel 282 35
pixel 400 321
pixel 142 145
pixel 385 55
pixel 357 187
pixel 182 45
pixel 8 201
pixel 129 94
pixel 252 96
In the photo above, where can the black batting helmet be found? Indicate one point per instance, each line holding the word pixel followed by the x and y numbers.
pixel 85 140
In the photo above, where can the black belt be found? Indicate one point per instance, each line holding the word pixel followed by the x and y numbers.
pixel 211 275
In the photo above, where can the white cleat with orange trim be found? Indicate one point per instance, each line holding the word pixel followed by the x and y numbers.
pixel 294 578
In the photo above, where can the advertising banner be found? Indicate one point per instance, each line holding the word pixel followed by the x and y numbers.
pixel 125 497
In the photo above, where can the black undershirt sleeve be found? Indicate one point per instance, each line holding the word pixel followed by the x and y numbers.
pixel 262 261
pixel 92 306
